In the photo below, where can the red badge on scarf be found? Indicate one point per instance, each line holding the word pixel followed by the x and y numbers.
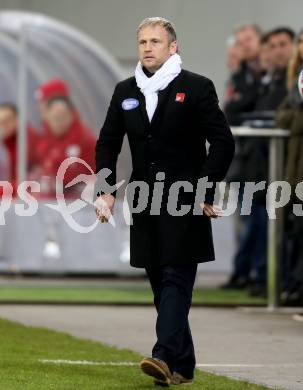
pixel 180 97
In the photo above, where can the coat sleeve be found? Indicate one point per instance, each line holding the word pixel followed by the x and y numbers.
pixel 284 115
pixel 110 141
pixel 218 134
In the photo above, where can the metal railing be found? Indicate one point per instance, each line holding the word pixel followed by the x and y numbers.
pixel 276 138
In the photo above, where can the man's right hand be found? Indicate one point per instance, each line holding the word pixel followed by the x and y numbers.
pixel 104 207
pixel 211 211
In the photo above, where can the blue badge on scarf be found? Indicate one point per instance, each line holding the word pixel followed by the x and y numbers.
pixel 130 104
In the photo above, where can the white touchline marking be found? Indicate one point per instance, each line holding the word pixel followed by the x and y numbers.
pixel 270 365
pixel 87 362
pixel 92 363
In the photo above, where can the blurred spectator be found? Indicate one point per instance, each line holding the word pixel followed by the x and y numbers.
pixel 8 136
pixel 48 90
pixel 64 136
pixel 279 46
pixel 233 62
pixel 266 57
pixel 241 98
pixel 290 116
pixel 243 83
pixel 271 92
pixel 242 88
pixel 250 263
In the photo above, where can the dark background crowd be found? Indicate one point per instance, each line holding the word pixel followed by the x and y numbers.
pixel 262 91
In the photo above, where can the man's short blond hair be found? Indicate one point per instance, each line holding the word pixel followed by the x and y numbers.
pixel 158 21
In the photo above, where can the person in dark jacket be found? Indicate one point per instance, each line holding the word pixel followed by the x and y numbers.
pixel 251 257
pixel 244 81
pixel 242 89
pixel 271 93
pixel 168 113
pixel 290 116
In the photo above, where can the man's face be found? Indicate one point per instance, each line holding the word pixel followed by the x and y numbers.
pixel 266 58
pixel 249 42
pixel 8 123
pixel 154 47
pixel 281 47
pixel 59 118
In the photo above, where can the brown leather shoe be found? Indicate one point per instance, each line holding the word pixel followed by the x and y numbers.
pixel 178 379
pixel 157 369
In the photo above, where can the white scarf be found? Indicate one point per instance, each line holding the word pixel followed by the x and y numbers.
pixel 150 86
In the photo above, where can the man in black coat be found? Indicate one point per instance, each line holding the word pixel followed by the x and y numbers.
pixel 168 114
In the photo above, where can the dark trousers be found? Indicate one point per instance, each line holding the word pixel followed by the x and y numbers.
pixel 293 270
pixel 251 256
pixel 172 288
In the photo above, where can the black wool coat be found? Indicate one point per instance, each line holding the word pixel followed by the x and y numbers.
pixel 174 142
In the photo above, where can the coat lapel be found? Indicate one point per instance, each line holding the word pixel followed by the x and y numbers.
pixel 143 111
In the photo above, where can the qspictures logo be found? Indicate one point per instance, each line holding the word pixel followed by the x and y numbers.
pixel 277 195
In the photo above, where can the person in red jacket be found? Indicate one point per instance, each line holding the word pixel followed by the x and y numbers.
pixel 64 136
pixel 49 90
pixel 8 136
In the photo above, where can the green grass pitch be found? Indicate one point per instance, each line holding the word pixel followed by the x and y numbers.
pixel 22 348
